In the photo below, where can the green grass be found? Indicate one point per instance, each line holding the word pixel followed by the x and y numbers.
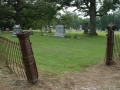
pixel 56 55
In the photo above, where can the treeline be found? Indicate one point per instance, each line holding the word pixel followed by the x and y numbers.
pixel 70 20
pixel 102 22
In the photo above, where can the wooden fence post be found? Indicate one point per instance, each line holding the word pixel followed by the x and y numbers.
pixel 110 42
pixel 28 57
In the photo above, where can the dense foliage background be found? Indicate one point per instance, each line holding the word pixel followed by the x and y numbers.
pixel 39 13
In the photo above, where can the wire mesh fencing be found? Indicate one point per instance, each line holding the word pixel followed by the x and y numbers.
pixel 116 49
pixel 11 53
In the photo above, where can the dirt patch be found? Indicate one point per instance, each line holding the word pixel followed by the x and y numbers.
pixel 97 77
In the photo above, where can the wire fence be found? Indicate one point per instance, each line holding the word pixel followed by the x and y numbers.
pixel 11 53
pixel 116 49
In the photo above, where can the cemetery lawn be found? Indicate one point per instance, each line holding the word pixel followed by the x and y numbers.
pixel 58 55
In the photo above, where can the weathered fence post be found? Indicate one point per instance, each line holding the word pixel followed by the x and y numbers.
pixel 110 41
pixel 28 57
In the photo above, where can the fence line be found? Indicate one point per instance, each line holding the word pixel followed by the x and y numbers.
pixel 13 55
pixel 116 49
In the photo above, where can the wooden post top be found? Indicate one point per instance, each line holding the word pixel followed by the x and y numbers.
pixel 111 26
pixel 23 35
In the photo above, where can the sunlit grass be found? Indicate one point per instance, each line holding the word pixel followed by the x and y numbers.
pixel 56 55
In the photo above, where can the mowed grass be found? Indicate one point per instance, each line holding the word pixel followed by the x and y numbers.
pixel 58 55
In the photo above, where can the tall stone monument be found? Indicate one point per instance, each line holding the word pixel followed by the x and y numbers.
pixel 60 31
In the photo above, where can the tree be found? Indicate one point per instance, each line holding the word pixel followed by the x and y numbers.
pixel 76 21
pixel 104 22
pixel 50 12
pixel 66 19
pixel 28 10
pixel 117 19
pixel 90 8
pixel 12 9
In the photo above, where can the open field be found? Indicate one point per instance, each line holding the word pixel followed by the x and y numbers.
pixel 56 55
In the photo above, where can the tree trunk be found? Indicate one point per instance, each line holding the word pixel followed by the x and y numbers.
pixel 49 31
pixel 93 18
pixel 18 10
pixel 85 28
pixel 17 19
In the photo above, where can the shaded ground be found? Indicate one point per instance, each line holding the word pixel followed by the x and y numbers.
pixel 98 77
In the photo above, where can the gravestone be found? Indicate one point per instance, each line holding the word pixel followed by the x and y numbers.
pixel 30 30
pixel 88 30
pixel 7 29
pixel 100 30
pixel 105 30
pixel 44 31
pixel 80 28
pixel 16 29
pixel 119 29
pixel 70 29
pixel 60 31
pixel 50 29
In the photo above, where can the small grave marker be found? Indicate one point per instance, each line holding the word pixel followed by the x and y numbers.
pixel 30 30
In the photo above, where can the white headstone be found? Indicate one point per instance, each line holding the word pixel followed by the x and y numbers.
pixel 100 30
pixel 7 29
pixel 80 27
pixel 119 29
pixel 43 28
pixel 30 30
pixel 44 31
pixel 88 30
pixel 105 30
pixel 60 31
